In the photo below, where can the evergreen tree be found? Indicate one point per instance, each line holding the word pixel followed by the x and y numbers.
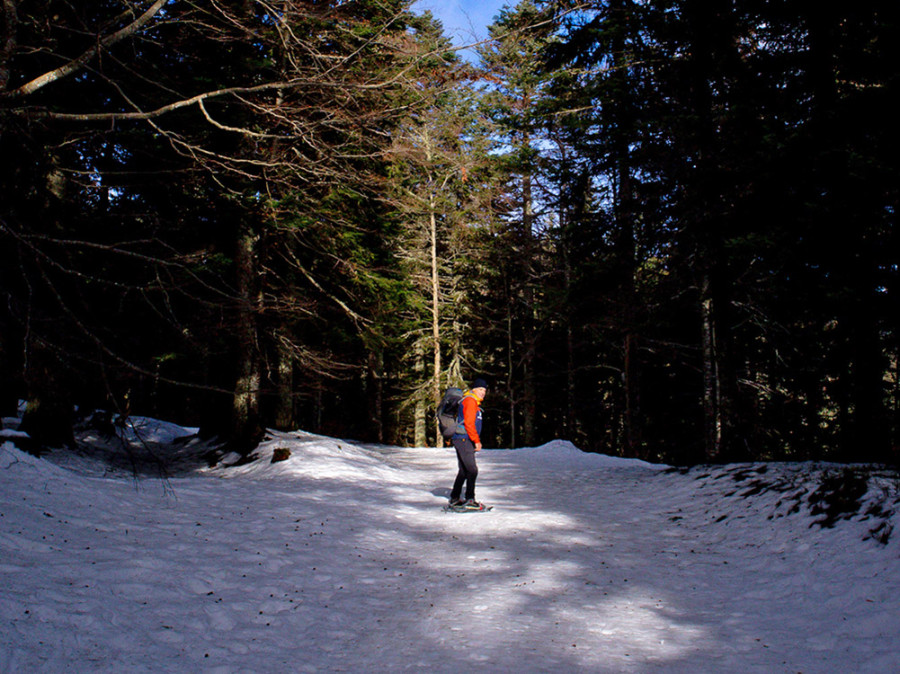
pixel 438 180
pixel 512 98
pixel 192 158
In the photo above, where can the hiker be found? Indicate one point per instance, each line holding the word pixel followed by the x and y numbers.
pixel 467 441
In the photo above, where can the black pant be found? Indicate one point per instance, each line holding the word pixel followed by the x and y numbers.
pixel 468 469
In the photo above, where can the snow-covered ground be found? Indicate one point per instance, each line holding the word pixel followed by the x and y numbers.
pixel 340 559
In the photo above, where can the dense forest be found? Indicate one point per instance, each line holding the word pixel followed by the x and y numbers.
pixel 662 229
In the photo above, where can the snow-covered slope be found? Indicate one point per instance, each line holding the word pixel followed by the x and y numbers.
pixel 339 558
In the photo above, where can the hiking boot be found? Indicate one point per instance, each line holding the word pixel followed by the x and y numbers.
pixel 456 502
pixel 472 504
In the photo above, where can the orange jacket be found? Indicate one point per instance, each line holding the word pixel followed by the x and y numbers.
pixel 470 408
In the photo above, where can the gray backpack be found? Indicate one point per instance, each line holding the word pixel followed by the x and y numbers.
pixel 448 410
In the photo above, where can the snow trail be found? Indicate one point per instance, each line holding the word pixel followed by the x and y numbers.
pixel 340 559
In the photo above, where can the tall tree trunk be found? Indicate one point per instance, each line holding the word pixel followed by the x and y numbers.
pixel 627 265
pixel 529 392
pixel 284 384
pixel 510 368
pixel 570 417
pixel 420 426
pixel 712 413
pixel 375 398
pixel 620 13
pixel 435 315
pixel 633 439
pixel 712 41
pixel 246 429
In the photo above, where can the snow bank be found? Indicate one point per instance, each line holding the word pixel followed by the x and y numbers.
pixel 563 455
pixel 340 556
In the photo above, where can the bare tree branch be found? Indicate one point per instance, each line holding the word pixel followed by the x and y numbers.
pixel 79 62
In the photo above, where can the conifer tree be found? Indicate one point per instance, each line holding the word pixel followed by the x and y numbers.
pixel 194 160
pixel 512 98
pixel 437 175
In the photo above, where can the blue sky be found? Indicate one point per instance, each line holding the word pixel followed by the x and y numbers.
pixel 464 21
